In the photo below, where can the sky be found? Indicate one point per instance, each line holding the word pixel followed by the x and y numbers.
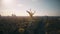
pixel 19 7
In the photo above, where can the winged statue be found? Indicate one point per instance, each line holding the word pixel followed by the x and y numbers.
pixel 31 13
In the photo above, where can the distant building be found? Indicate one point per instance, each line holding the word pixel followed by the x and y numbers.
pixel 13 15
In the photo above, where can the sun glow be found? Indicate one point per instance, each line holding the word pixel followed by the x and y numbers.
pixel 10 7
pixel 7 1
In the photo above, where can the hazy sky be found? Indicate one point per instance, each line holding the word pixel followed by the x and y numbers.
pixel 19 7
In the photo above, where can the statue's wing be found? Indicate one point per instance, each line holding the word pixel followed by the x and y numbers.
pixel 28 12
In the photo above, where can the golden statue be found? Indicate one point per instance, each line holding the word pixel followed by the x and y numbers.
pixel 31 13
